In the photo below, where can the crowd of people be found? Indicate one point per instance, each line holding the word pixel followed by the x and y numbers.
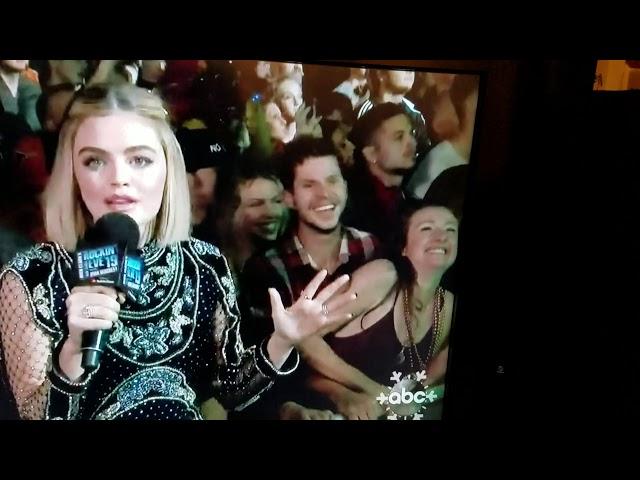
pixel 298 228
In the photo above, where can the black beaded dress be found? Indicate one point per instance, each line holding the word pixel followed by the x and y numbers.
pixel 175 345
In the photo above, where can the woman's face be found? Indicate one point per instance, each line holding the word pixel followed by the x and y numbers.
pixel 289 98
pixel 261 210
pixel 277 123
pixel 120 166
pixel 432 240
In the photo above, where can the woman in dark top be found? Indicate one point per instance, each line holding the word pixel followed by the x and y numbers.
pixel 406 328
pixel 176 343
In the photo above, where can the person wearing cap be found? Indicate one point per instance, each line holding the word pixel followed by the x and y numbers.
pixel 385 152
pixel 203 155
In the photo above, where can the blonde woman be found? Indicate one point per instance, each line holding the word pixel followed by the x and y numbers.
pixel 177 345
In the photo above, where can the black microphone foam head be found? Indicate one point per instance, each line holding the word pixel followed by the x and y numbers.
pixel 115 228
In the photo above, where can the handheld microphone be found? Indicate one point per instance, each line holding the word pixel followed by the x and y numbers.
pixel 108 255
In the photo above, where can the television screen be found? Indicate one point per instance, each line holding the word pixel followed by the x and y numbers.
pixel 302 173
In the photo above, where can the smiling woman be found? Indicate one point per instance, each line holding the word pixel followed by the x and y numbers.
pixel 406 326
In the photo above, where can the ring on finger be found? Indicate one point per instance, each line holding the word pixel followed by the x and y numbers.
pixel 325 310
pixel 88 311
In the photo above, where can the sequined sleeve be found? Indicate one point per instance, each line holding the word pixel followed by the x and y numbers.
pixel 241 374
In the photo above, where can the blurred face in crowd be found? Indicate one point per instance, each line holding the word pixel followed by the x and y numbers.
pixel 394 146
pixel 153 70
pixel 277 124
pixel 263 70
pixel 68 71
pixel 319 193
pixel 399 81
pixel 359 80
pixel 432 240
pixel 261 210
pixel 202 184
pixel 289 98
pixel 14 65
pixel 120 166
pixel 343 145
pixel 131 71
pixel 360 73
pixel 293 71
pixel 57 104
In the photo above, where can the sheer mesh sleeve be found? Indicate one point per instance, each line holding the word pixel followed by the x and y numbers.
pixel 25 350
pixel 241 375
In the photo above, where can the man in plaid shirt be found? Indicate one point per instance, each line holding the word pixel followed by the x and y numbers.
pixel 317 192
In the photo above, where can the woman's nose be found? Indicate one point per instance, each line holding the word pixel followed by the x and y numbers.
pixel 121 174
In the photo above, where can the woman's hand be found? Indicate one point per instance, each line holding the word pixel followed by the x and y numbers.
pixel 92 307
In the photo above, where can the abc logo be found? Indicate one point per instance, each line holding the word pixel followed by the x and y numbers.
pixel 402 399
pixel 407 397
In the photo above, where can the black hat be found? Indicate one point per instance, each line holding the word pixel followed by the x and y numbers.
pixel 201 149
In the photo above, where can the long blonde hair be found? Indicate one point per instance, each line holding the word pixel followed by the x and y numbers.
pixel 65 215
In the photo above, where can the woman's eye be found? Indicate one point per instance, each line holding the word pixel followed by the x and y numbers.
pixel 140 161
pixel 93 162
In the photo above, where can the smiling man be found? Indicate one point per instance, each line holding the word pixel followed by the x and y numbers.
pixel 316 191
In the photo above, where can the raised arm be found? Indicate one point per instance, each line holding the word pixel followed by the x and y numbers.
pixel 243 374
